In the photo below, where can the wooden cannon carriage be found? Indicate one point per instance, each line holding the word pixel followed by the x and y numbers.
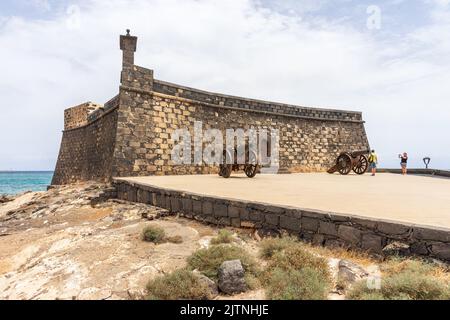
pixel 250 167
pixel 348 161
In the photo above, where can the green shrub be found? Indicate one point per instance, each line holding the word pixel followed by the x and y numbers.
pixel 270 246
pixel 208 261
pixel 180 284
pixel 153 234
pixel 293 272
pixel 302 284
pixel 407 280
pixel 175 239
pixel 224 236
pixel 296 258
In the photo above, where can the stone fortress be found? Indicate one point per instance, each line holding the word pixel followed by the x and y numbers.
pixel 130 135
pixel 128 141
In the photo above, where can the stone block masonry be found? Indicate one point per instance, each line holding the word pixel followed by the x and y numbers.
pixel 131 135
pixel 318 227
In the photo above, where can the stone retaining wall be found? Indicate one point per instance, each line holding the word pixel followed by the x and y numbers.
pixel 319 227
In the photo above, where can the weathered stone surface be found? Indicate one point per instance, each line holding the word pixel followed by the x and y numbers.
pixel 197 206
pixel 315 214
pixel 290 223
pixel 349 234
pixel 234 211
pixel 175 204
pixel 431 234
pixel 5 198
pixel 210 284
pixel 310 224
pixel 248 224
pixel 256 215
pixel 232 277
pixel 207 208
pixel 328 228
pixel 80 250
pixel 368 223
pixel 419 248
pixel 350 272
pixel 275 209
pixel 244 214
pixel 160 200
pixel 372 242
pixel 392 228
pixel 318 239
pixel 220 210
pixel 441 251
pixel 272 219
pixel 224 221
pixel 338 217
pixel 334 243
pixel 94 294
pixel 397 248
pixel 295 213
pixel 236 222
pixel 187 205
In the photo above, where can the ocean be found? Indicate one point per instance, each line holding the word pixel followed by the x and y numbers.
pixel 14 182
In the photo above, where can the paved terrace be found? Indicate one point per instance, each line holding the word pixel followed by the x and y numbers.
pixel 415 199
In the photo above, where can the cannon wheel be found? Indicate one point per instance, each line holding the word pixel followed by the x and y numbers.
pixel 251 170
pixel 344 163
pixel 225 170
pixel 362 165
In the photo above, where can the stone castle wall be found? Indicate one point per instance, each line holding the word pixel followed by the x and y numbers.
pixel 132 134
pixel 86 152
pixel 78 116
pixel 305 144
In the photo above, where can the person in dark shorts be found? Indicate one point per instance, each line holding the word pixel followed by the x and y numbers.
pixel 403 162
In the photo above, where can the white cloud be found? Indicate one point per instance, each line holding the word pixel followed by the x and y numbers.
pixel 235 47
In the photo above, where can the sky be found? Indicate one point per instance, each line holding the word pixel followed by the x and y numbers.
pixel 389 59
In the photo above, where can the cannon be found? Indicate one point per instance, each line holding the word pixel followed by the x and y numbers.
pixel 348 161
pixel 250 167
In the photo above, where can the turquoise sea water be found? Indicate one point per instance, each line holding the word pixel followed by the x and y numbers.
pixel 19 181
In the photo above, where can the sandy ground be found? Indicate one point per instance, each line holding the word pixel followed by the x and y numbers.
pixel 415 199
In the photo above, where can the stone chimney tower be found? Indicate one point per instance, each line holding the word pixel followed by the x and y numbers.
pixel 128 46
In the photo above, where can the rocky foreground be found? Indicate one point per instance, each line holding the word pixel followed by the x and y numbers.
pixel 72 243
pixel 78 242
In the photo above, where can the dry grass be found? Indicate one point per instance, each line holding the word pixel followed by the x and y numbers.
pixel 270 246
pixel 224 236
pixel 208 261
pixel 157 235
pixel 357 256
pixel 303 284
pixel 175 239
pixel 406 279
pixel 396 265
pixel 153 234
pixel 180 284
pixel 293 272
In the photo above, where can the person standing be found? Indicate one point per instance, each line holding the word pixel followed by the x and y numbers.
pixel 373 161
pixel 403 162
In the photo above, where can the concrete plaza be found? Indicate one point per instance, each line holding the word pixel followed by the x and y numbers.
pixel 423 200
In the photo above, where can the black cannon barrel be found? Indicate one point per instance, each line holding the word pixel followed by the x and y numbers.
pixel 360 153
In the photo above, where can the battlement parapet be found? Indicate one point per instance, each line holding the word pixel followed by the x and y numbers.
pixel 78 116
